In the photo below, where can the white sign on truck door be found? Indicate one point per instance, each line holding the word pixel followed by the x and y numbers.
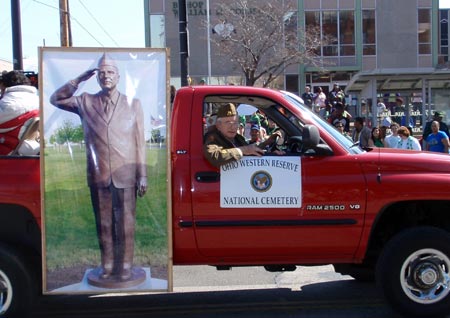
pixel 261 182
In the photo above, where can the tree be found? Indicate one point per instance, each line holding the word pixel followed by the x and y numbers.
pixel 68 133
pixel 262 39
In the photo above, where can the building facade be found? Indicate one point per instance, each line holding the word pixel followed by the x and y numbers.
pixel 5 65
pixel 383 49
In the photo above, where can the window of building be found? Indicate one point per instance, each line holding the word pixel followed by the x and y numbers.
pixel 290 27
pixel 330 28
pixel 369 33
pixel 347 33
pixel 156 6
pixel 443 36
pixel 424 31
pixel 157 31
pixel 292 83
pixel 339 26
pixel 312 19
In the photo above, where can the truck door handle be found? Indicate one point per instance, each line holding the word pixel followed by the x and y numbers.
pixel 207 176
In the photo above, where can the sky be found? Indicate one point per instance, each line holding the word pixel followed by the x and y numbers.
pixel 94 23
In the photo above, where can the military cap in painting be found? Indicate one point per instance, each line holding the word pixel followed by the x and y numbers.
pixel 106 60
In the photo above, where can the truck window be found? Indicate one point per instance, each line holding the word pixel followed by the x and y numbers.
pixel 257 112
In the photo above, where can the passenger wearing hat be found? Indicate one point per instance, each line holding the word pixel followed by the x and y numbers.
pixel 255 134
pixel 223 144
pixel 437 116
pixel 116 165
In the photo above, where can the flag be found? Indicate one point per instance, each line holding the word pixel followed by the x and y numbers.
pixel 156 122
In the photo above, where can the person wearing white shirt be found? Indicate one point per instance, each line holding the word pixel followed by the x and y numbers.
pixel 18 96
pixel 407 141
pixel 381 109
pixel 19 105
pixel 320 103
pixel 391 140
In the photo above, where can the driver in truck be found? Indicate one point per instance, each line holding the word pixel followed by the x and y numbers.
pixel 223 144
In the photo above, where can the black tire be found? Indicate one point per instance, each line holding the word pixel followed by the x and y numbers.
pixel 17 284
pixel 413 272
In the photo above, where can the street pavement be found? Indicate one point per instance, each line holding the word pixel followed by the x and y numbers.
pixel 203 292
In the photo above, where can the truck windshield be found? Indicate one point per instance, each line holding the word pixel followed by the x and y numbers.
pixel 319 122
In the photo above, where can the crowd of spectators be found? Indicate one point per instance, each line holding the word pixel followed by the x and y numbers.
pixel 435 135
pixel 394 128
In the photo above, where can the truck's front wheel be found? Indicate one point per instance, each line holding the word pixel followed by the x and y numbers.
pixel 414 272
pixel 16 284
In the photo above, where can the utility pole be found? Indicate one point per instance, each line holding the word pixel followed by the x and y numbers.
pixel 64 18
pixel 184 48
pixel 16 35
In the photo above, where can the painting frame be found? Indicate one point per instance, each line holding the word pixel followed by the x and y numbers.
pixel 76 257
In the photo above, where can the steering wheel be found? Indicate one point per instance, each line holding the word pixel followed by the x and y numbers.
pixel 295 144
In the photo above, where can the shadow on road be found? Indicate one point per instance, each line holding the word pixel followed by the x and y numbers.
pixel 347 298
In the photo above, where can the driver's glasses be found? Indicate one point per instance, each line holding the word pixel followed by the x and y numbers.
pixel 231 124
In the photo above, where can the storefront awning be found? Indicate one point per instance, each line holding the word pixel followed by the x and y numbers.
pixel 389 80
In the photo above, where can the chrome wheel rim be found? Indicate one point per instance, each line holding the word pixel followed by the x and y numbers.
pixel 6 293
pixel 425 276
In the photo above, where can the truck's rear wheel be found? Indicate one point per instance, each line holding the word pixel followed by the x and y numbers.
pixel 16 284
pixel 414 272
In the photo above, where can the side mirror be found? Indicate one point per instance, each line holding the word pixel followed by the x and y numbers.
pixel 311 142
pixel 310 137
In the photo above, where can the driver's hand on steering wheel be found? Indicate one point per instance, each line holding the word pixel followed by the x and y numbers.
pixel 274 137
pixel 251 150
pixel 278 152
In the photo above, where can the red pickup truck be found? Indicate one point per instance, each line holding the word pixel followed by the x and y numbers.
pixel 375 214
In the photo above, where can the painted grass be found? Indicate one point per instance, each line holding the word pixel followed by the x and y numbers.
pixel 71 239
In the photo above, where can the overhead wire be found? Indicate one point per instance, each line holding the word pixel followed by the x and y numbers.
pixel 72 17
pixel 7 25
pixel 98 23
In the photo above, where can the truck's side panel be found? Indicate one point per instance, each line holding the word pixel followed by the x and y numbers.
pixel 334 199
pixel 21 176
pixel 20 202
pixel 184 246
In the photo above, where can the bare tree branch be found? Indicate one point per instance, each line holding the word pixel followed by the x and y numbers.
pixel 263 39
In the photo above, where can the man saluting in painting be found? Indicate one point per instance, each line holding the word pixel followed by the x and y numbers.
pixel 116 171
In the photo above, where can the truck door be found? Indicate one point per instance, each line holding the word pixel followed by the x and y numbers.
pixel 329 221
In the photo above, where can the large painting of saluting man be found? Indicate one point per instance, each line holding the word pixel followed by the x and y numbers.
pixel 99 117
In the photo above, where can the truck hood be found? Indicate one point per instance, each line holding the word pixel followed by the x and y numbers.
pixel 398 160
